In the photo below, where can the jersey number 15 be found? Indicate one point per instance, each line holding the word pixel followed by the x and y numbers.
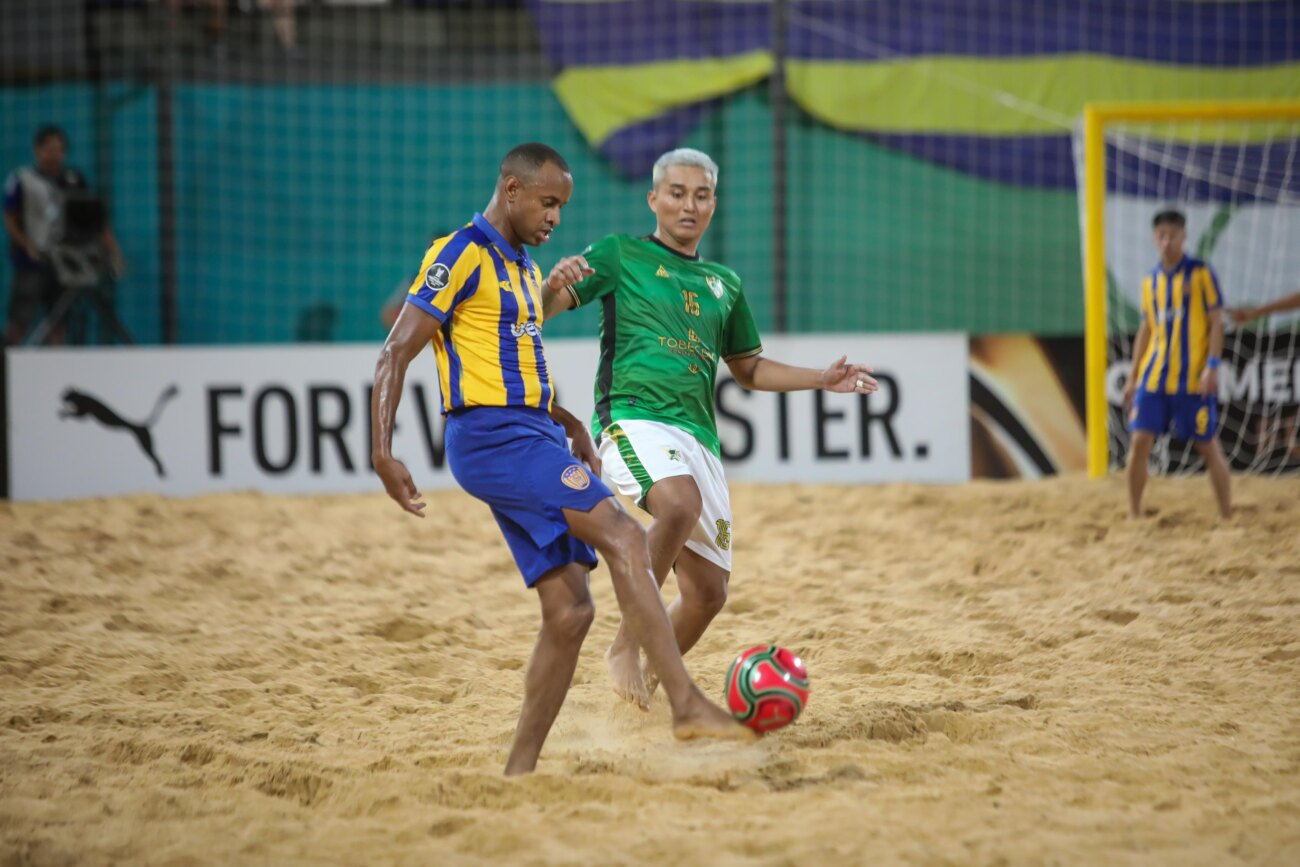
pixel 692 304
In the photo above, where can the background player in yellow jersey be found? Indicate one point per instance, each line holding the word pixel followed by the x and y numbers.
pixel 667 317
pixel 478 302
pixel 1174 383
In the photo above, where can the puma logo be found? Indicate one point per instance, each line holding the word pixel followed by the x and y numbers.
pixel 77 404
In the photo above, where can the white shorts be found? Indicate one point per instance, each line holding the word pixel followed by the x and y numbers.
pixel 635 453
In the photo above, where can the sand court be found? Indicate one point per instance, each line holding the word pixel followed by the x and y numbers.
pixel 1002 673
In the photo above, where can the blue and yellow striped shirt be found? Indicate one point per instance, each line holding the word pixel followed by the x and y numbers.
pixel 488 298
pixel 1176 305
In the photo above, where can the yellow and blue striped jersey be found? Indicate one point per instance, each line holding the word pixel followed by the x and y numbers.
pixel 487 296
pixel 1176 305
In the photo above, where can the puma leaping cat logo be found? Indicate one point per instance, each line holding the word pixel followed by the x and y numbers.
pixel 78 404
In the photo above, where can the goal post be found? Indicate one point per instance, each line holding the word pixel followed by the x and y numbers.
pixel 1214 122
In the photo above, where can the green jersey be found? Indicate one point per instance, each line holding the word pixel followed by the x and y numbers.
pixel 665 320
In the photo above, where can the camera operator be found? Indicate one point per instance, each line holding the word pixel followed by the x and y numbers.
pixel 36 200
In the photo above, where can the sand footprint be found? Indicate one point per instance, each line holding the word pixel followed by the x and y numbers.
pixel 1116 615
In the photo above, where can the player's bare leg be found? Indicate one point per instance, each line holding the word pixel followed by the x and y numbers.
pixel 1139 454
pixel 622 542
pixel 675 502
pixel 1216 466
pixel 703 586
pixel 567 612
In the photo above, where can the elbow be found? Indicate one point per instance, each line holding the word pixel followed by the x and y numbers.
pixel 388 360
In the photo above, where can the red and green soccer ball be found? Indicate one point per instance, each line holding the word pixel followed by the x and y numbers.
pixel 767 688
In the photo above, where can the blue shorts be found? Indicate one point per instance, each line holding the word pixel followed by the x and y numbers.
pixel 517 461
pixel 1186 416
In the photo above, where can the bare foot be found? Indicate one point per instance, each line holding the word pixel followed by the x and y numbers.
pixel 512 771
pixel 704 719
pixel 625 670
pixel 651 679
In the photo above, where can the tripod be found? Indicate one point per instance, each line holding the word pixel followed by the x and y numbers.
pixel 82 272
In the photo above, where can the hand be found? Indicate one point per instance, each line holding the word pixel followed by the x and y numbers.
pixel 568 272
pixel 848 378
pixel 584 449
pixel 1209 381
pixel 1242 315
pixel 399 485
pixel 1130 392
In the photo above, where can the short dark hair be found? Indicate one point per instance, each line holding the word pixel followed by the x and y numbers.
pixel 1172 216
pixel 49 131
pixel 524 160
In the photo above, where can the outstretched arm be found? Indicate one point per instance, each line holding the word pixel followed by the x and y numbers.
pixel 411 332
pixel 757 373
pixel 1241 315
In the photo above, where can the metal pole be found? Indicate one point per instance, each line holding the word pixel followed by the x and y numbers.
pixel 778 96
pixel 167 177
pixel 1094 241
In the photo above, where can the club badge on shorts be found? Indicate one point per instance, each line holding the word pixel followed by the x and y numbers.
pixel 576 477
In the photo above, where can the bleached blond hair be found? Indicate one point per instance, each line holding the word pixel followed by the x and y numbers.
pixel 684 157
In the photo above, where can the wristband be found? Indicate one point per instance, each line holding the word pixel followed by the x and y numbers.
pixel 1213 363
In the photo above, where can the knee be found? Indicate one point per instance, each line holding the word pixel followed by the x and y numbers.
pixel 682 519
pixel 676 501
pixel 1139 449
pixel 572 621
pixel 708 597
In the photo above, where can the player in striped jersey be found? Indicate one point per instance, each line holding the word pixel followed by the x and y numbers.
pixel 478 301
pixel 1174 382
pixel 668 317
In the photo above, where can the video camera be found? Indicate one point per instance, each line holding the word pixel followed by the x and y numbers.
pixel 79 258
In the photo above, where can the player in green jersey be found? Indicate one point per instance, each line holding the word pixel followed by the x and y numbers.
pixel 666 318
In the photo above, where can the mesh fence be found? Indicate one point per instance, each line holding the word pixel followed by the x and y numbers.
pixel 276 168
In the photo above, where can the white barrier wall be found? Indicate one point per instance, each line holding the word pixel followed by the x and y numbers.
pixel 295 419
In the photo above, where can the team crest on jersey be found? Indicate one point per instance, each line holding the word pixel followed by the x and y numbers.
pixel 437 277
pixel 576 477
pixel 673 454
pixel 716 286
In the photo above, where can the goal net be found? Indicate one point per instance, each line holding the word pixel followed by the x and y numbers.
pixel 1233 170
